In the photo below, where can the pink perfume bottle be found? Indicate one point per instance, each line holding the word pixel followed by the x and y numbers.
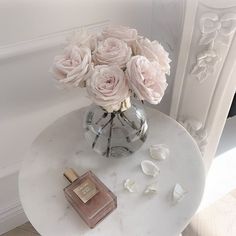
pixel 89 197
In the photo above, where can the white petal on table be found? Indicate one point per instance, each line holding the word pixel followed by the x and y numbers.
pixel 150 168
pixel 159 151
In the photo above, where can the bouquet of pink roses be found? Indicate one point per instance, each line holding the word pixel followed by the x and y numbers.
pixel 113 65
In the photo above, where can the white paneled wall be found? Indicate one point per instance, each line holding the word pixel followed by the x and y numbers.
pixel 31 33
pixel 24 19
pixel 167 23
pixel 205 80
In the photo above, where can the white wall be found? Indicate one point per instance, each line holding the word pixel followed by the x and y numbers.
pixel 205 80
pixel 31 34
pixel 167 24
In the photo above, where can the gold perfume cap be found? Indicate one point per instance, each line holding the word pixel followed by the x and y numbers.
pixel 71 175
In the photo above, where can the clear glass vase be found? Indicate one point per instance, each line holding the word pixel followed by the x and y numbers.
pixel 115 134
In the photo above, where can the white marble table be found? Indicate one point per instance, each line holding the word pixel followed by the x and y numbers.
pixel 62 145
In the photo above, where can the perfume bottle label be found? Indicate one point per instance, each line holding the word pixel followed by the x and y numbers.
pixel 86 190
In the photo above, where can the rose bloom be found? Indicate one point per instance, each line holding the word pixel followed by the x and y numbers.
pixel 120 32
pixel 73 66
pixel 84 39
pixel 146 79
pixel 154 52
pixel 107 87
pixel 112 51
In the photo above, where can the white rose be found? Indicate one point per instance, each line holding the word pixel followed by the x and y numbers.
pixel 84 39
pixel 107 87
pixel 73 66
pixel 122 106
pixel 120 32
pixel 154 51
pixel 146 79
pixel 112 51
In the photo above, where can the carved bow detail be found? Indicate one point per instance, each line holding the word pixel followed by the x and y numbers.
pixel 206 62
pixel 213 28
pixel 218 28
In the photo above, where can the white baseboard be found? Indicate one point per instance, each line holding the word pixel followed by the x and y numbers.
pixel 11 211
pixel 11 217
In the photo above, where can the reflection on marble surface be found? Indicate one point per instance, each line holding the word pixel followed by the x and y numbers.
pixel 62 145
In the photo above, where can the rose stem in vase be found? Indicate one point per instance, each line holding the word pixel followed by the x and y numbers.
pixel 99 133
pixel 110 134
pixel 103 116
pixel 125 118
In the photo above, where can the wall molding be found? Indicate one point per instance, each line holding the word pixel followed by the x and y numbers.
pixel 206 64
pixel 7 212
pixel 215 28
pixel 45 41
pixel 183 57
pixel 204 75
pixel 11 215
pixel 207 51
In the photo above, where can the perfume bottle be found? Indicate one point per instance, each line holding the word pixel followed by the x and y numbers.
pixel 89 197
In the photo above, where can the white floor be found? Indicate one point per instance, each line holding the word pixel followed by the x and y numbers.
pixel 221 178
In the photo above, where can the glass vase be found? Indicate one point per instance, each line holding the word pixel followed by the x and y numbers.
pixel 115 134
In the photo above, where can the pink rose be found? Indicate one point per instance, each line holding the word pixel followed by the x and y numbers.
pixel 146 79
pixel 120 32
pixel 107 87
pixel 153 51
pixel 112 51
pixel 72 67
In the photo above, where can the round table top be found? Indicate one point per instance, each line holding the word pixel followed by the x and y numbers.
pixel 62 145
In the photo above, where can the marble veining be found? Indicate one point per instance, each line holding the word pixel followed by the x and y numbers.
pixel 41 181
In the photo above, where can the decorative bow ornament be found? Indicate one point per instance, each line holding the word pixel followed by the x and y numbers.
pixel 206 62
pixel 214 27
